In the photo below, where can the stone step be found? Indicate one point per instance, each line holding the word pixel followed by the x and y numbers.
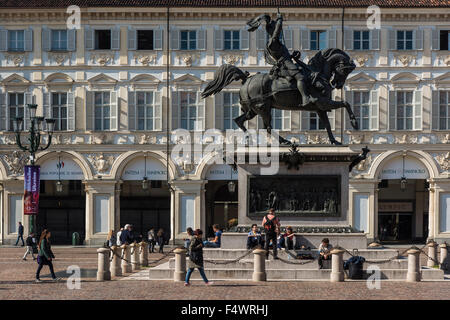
pixel 278 264
pixel 209 253
pixel 287 274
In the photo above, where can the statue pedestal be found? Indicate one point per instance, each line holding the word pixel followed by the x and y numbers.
pixel 314 199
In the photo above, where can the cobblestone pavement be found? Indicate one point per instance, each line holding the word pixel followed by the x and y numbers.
pixel 17 282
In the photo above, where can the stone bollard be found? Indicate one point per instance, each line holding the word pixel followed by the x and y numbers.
pixel 180 265
pixel 135 247
pixel 444 256
pixel 143 256
pixel 103 272
pixel 432 253
pixel 126 261
pixel 337 265
pixel 413 274
pixel 115 269
pixel 259 265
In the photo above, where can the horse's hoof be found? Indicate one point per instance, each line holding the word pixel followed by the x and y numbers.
pixel 336 143
pixel 354 124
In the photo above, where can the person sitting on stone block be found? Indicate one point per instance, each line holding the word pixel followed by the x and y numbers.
pixel 254 239
pixel 324 251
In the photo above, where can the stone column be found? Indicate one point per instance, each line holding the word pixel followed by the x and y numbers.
pixel 444 256
pixel 103 272
pixel 126 261
pixel 337 265
pixel 143 255
pixel 432 254
pixel 413 274
pixel 135 256
pixel 259 265
pixel 180 265
pixel 115 269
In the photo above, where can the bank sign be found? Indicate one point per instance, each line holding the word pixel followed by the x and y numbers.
pixel 135 170
pixel 64 169
pixel 413 169
pixel 221 172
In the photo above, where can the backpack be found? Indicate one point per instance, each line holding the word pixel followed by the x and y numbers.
pixel 269 225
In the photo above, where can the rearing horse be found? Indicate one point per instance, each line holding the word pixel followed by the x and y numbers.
pixel 259 93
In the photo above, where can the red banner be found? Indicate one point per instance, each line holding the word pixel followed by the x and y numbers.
pixel 31 184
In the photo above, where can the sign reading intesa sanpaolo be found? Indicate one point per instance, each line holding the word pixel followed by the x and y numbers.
pixel 136 168
pixel 414 169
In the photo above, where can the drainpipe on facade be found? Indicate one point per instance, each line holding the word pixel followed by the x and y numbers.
pixel 342 90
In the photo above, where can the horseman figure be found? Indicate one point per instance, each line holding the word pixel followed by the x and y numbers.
pixel 277 54
pixel 311 91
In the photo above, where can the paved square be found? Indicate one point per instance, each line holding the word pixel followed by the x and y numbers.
pixel 17 282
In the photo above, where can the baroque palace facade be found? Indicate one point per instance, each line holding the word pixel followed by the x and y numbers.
pixel 118 83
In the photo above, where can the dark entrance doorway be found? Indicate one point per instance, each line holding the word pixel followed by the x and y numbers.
pixel 395 227
pixel 145 209
pixel 221 205
pixel 63 213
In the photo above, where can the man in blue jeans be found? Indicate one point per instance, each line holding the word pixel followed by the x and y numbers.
pixel 20 234
pixel 217 236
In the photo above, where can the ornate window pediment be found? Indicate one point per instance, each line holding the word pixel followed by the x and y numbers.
pixel 361 80
pixel 58 80
pixel 145 81
pixel 188 80
pixel 405 79
pixel 443 80
pixel 102 81
pixel 16 81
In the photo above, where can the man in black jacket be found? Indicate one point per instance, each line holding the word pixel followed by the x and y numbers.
pixel 20 234
pixel 31 245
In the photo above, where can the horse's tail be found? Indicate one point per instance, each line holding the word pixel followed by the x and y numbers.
pixel 224 76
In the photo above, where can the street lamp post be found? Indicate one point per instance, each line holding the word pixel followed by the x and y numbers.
pixel 34 141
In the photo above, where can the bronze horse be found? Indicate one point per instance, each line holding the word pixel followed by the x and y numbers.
pixel 259 93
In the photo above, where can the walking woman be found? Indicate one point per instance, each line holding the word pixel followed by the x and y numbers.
pixel 196 257
pixel 45 255
pixel 160 237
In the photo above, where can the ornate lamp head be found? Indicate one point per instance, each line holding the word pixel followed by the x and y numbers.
pixel 32 108
pixel 50 125
pixel 18 124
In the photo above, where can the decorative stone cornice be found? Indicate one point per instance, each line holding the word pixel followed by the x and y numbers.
pixel 101 162
pixel 443 159
pixel 405 59
pixel 233 58
pixel 145 58
pixel 60 58
pixel 15 161
pixel 188 59
pixel 16 58
pixel 102 58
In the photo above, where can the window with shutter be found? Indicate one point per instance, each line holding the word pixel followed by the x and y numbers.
pixel 59 40
pixel 70 111
pixel 29 99
pixel 201 39
pixel 189 110
pixel 158 36
pixel 231 40
pixel 288 41
pixel 102 110
pixel 417 110
pixel 443 110
pixel 361 40
pixel 3 40
pixel 261 39
pixel 145 40
pixel 218 39
pixel 157 107
pixel 46 42
pixel 28 45
pixel 132 39
pixel 361 109
pixel 175 39
pixel 175 110
pixel 3 113
pixel 188 40
pixel 375 39
pixel 374 110
pixel 71 39
pixel 442 41
pixel 348 39
pixel 405 39
pixel 114 103
pixel 305 39
pixel 59 110
pixel 103 40
pixel 201 120
pixel 90 110
pixel 131 110
pixel 245 39
pixel 16 40
pixel 115 39
pixel 230 111
pixel 89 39
pixel 145 109
pixel 318 40
pixel 331 36
pixel 405 110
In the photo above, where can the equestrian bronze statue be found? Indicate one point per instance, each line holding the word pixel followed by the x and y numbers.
pixel 291 84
